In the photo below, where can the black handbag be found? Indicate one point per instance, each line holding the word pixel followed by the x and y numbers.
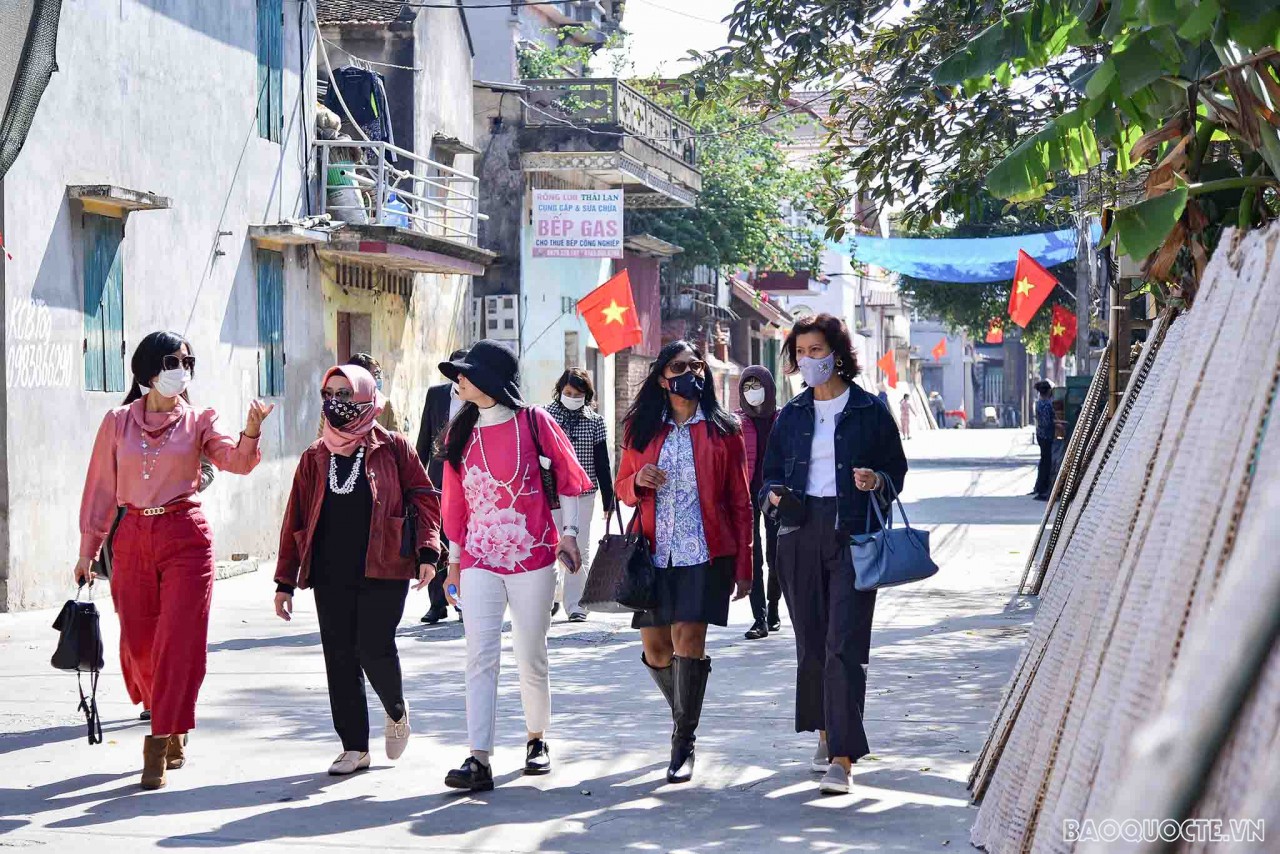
pixel 409 533
pixel 80 649
pixel 622 577
pixel 549 486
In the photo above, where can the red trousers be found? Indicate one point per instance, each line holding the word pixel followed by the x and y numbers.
pixel 162 585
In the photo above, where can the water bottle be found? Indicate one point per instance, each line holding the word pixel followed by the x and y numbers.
pixel 452 590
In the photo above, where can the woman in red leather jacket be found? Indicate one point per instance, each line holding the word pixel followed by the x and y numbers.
pixel 684 466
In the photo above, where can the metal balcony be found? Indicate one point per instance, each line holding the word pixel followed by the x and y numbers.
pixel 413 214
pixel 606 128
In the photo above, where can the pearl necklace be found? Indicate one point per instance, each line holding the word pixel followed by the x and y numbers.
pixel 485 459
pixel 350 485
pixel 150 459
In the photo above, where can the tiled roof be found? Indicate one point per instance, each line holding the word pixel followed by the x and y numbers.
pixel 362 11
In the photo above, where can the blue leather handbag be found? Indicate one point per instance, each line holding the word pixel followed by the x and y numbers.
pixel 890 556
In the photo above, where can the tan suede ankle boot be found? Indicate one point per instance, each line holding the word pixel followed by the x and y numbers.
pixel 153 762
pixel 175 755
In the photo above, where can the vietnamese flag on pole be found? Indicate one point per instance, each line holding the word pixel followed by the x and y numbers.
pixel 1032 285
pixel 610 312
pixel 939 350
pixel 1062 334
pixel 886 363
pixel 995 331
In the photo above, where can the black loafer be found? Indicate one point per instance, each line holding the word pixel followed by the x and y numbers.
pixel 538 758
pixel 473 776
pixel 145 716
pixel 435 615
pixel 758 630
pixel 578 617
pixel 775 621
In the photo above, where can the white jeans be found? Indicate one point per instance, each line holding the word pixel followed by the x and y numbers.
pixel 569 585
pixel 485 597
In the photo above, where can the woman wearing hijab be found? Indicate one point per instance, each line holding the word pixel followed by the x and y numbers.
pixel 834 449
pixel 499 516
pixel 343 536
pixel 758 412
pixel 146 459
pixel 684 465
pixel 573 410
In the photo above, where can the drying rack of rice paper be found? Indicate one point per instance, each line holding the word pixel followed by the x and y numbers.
pixel 1149 685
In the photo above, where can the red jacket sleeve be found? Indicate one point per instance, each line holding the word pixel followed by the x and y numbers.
pixel 417 487
pixel 624 485
pixel 289 561
pixel 738 495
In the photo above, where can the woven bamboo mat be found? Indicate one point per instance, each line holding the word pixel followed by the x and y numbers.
pixel 1142 552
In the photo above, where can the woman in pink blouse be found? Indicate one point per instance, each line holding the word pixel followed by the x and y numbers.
pixel 495 506
pixel 146 459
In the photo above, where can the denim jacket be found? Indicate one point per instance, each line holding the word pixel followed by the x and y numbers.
pixel 866 437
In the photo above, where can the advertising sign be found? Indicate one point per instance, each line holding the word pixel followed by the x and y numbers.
pixel 577 223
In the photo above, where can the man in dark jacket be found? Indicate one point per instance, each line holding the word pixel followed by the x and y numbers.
pixel 441 405
pixel 1044 438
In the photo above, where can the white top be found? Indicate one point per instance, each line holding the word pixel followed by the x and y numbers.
pixel 455 403
pixel 822 454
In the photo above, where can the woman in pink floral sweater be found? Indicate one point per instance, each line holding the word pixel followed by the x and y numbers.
pixel 495 506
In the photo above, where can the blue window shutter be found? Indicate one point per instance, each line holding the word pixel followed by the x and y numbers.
pixel 270 273
pixel 270 69
pixel 103 304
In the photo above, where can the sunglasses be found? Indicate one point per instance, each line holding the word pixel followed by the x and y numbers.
pixel 342 394
pixel 698 366
pixel 173 363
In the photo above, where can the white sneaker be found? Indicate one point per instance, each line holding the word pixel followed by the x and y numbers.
pixel 821 758
pixel 835 781
pixel 348 763
pixel 397 734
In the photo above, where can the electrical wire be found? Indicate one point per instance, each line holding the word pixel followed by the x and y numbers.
pixel 688 15
pixel 359 58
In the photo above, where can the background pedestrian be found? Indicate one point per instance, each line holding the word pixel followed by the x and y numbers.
pixel 758 393
pixel 441 405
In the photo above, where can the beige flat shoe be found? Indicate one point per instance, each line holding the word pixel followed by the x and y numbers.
pixel 349 762
pixel 397 734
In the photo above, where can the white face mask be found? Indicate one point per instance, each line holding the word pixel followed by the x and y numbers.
pixel 573 404
pixel 171 383
pixel 754 396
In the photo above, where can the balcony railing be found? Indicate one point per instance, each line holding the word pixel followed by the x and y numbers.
pixel 609 103
pixel 362 187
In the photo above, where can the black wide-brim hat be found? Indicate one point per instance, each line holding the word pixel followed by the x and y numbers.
pixel 490 367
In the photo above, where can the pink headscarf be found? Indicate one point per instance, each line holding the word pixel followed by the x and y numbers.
pixel 364 393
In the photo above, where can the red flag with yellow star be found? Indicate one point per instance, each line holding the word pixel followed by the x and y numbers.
pixel 887 364
pixel 610 312
pixel 995 331
pixel 939 350
pixel 1062 334
pixel 1032 285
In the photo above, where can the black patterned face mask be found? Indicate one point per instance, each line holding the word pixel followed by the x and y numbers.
pixel 340 413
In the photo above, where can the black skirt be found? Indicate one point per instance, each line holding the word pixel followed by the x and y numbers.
pixel 691 594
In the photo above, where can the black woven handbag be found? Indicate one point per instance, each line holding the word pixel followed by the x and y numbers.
pixel 80 649
pixel 623 577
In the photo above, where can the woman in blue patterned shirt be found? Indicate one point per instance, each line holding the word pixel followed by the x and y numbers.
pixel 684 465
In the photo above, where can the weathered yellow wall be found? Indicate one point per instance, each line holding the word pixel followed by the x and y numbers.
pixel 410 337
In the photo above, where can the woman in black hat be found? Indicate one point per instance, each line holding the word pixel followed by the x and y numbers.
pixel 497 511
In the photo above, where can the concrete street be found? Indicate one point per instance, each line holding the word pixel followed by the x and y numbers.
pixel 256 780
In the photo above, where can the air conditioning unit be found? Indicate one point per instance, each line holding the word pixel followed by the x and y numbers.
pixel 496 318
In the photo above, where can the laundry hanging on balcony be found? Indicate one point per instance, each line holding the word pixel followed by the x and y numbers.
pixel 365 94
pixel 969 260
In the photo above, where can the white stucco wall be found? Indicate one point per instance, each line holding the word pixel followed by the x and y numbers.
pixel 161 98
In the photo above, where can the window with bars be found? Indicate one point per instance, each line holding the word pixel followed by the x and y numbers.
pixel 271 69
pixel 104 352
pixel 271 358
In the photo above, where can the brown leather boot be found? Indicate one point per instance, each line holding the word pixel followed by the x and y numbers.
pixel 175 755
pixel 153 762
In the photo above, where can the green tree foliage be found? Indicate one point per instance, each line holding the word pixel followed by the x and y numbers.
pixel 1180 95
pixel 738 220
